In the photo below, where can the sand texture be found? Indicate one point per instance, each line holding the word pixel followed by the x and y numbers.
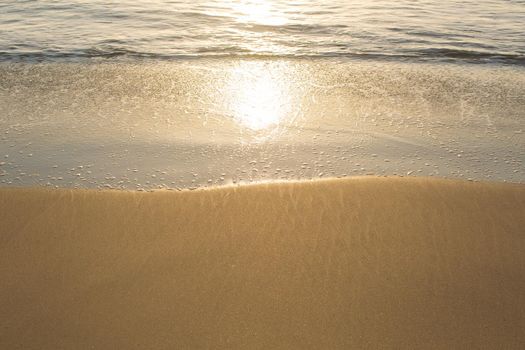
pixel 365 263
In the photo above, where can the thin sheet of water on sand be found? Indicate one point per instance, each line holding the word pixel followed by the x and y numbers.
pixel 208 122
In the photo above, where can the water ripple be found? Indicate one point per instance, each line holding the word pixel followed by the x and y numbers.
pixel 486 31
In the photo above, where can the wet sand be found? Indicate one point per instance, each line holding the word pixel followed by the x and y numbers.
pixel 362 263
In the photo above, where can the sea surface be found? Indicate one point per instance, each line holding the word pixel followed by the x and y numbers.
pixel 478 31
pixel 185 94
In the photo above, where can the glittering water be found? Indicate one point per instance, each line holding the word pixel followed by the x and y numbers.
pixel 206 122
pixel 183 94
pixel 473 31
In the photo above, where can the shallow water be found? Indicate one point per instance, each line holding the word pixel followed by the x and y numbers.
pixel 212 122
pixel 453 31
pixel 180 94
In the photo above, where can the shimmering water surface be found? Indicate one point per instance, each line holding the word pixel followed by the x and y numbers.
pixel 451 30
pixel 149 94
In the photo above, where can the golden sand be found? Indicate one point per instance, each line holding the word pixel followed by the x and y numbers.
pixel 364 263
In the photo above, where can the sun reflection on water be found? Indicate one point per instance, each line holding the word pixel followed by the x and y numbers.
pixel 259 94
pixel 261 12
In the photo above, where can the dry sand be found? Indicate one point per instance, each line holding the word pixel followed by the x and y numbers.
pixel 364 263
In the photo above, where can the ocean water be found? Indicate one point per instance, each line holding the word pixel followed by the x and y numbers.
pixel 180 94
pixel 478 31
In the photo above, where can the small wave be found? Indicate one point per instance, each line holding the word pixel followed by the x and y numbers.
pixel 439 55
pixel 52 55
pixel 472 56
pixel 292 28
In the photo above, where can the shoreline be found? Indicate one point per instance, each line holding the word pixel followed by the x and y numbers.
pixel 330 120
pixel 263 182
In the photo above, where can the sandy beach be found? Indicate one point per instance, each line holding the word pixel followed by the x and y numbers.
pixel 362 263
pixel 262 174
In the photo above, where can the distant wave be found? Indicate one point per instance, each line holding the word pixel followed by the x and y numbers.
pixel 423 55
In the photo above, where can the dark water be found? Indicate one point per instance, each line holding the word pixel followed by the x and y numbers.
pixel 457 31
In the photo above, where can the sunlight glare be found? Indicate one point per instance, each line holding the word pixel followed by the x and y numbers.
pixel 259 98
pixel 261 12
